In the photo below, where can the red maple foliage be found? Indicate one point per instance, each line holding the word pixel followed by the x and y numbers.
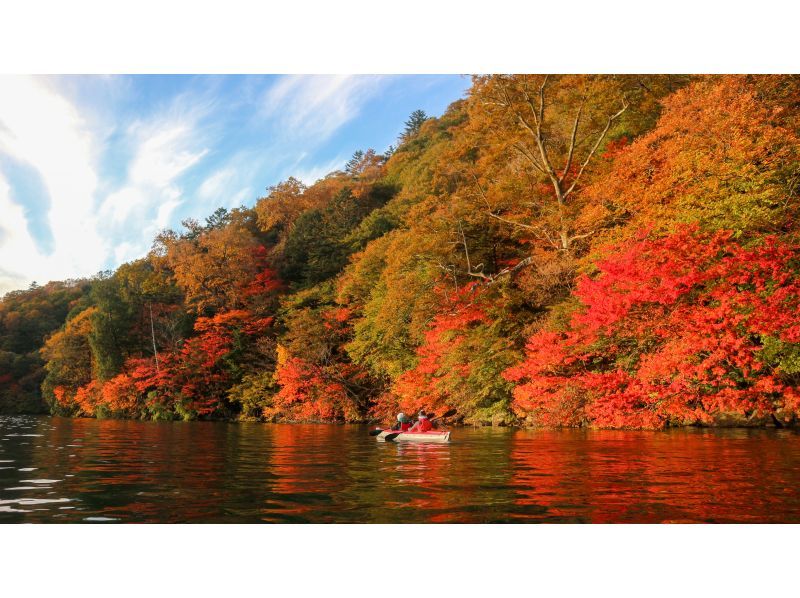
pixel 325 387
pixel 200 374
pixel 193 380
pixel 309 392
pixel 266 283
pixel 431 383
pixel 672 330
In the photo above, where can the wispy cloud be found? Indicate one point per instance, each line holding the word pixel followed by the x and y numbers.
pixel 217 184
pixel 164 154
pixel 316 106
pixel 18 252
pixel 163 148
pixel 310 175
pixel 41 129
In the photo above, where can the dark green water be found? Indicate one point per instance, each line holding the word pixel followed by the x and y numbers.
pixel 65 470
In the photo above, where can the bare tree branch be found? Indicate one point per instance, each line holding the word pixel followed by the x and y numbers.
pixel 470 271
pixel 597 143
pixel 571 153
pixel 582 236
pixel 524 151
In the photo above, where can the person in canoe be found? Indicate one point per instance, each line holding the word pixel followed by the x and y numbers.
pixel 403 423
pixel 423 423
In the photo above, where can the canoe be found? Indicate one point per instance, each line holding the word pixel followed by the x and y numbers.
pixel 429 436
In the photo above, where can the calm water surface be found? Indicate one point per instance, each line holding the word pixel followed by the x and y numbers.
pixel 80 470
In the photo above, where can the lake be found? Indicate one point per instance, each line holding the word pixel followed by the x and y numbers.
pixel 85 470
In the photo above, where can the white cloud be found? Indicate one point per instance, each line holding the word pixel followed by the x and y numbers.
pixel 216 184
pixel 18 253
pixel 312 174
pixel 40 128
pixel 165 211
pixel 240 197
pixel 164 155
pixel 164 149
pixel 315 106
pixel 119 206
pixel 126 251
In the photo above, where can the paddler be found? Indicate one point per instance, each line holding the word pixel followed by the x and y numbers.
pixel 423 423
pixel 403 422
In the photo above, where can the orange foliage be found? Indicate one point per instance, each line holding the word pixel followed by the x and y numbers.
pixel 716 155
pixel 87 397
pixel 309 392
pixel 121 394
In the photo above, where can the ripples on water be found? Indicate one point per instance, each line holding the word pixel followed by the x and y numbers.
pixel 80 470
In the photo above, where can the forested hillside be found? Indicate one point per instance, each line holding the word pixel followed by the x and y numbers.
pixel 27 318
pixel 607 251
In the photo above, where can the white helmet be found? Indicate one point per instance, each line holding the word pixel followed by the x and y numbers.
pixel 401 417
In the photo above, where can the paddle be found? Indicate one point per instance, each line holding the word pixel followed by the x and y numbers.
pixel 390 437
pixel 446 414
pixel 375 432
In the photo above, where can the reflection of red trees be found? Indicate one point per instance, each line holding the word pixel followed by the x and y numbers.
pixel 673 330
pixel 205 471
pixel 127 470
pixel 425 469
pixel 307 472
pixel 602 476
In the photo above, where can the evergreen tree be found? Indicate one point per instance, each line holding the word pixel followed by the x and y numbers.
pixel 413 124
pixel 352 165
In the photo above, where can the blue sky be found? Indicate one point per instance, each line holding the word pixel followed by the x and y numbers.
pixel 92 167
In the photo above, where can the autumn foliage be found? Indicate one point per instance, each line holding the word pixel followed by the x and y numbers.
pixel 459 360
pixel 685 329
pixel 317 382
pixel 553 250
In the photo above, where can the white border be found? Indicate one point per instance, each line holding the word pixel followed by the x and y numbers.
pixel 427 560
pixel 415 36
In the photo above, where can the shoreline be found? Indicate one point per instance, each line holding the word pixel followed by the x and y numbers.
pixel 455 426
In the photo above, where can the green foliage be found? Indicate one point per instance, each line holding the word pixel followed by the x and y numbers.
pixel 110 324
pixel 254 394
pixel 782 354
pixel 68 362
pixel 132 303
pixel 319 244
pixel 352 164
pixel 157 409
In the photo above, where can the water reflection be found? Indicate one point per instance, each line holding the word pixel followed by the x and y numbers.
pixel 681 475
pixel 109 471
